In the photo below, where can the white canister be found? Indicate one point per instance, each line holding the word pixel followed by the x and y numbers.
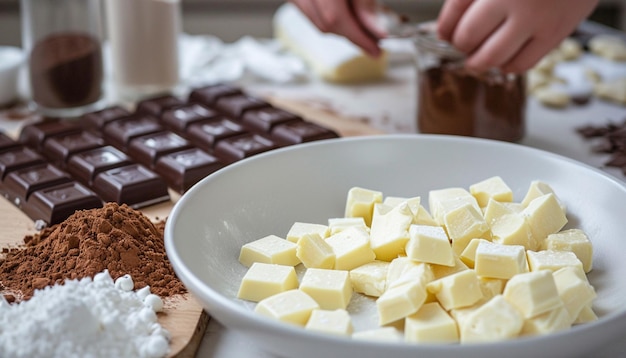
pixel 143 37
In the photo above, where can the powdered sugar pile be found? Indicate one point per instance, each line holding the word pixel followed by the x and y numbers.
pixel 84 318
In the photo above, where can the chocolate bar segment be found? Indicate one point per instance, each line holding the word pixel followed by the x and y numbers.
pixel 210 94
pixel 301 132
pixel 58 149
pixel 156 105
pixel 133 185
pixel 55 204
pixel 84 166
pixel 236 105
pixel 120 132
pixel 183 169
pixel 242 146
pixel 19 184
pixel 7 142
pixel 205 134
pixel 35 134
pixel 17 158
pixel 265 119
pixel 147 149
pixel 95 121
pixel 178 119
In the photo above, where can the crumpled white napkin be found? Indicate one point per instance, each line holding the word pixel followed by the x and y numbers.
pixel 206 59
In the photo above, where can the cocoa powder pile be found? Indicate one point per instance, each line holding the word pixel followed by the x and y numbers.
pixel 114 237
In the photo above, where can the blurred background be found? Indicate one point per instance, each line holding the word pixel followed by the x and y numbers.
pixel 231 19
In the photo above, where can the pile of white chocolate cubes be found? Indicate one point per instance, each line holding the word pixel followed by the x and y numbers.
pixel 475 267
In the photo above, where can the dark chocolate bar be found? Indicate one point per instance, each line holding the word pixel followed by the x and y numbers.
pixel 21 183
pixel 156 105
pixel 300 132
pixel 236 105
pixel 35 134
pixel 133 185
pixel 265 119
pixel 17 158
pixel 205 134
pixel 210 94
pixel 95 121
pixel 148 148
pixel 185 168
pixel 245 145
pixel 84 166
pixel 178 119
pixel 55 204
pixel 6 142
pixel 120 132
pixel 60 148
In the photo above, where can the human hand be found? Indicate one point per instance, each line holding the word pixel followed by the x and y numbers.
pixel 353 19
pixel 509 34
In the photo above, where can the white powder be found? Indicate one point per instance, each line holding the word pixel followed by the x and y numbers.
pixel 82 318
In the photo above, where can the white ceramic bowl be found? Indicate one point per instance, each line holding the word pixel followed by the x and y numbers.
pixel 11 59
pixel 267 193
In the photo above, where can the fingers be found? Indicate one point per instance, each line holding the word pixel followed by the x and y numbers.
pixel 529 55
pixel 449 16
pixel 500 48
pixel 476 25
pixel 366 12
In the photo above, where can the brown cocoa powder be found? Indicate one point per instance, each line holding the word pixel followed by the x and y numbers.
pixel 114 237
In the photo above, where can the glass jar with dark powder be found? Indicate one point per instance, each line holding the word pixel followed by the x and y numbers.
pixel 454 100
pixel 63 41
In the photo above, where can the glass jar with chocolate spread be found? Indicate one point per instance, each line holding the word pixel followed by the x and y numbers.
pixel 63 42
pixel 454 100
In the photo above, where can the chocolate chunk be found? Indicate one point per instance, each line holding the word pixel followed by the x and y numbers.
pixel 120 132
pixel 210 94
pixel 178 119
pixel 156 105
pixel 95 121
pixel 55 204
pixel 17 158
pixel 183 169
pixel 7 142
pixel 205 134
pixel 35 134
pixel 134 185
pixel 232 149
pixel 265 119
pixel 236 105
pixel 20 183
pixel 58 149
pixel 84 166
pixel 147 149
pixel 301 132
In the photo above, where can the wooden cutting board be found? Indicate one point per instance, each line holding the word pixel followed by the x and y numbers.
pixel 183 316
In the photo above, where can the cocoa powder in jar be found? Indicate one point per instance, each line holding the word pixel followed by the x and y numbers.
pixel 114 237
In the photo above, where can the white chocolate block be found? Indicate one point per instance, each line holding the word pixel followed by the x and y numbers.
pixel 360 203
pixel 574 240
pixel 574 290
pixel 500 261
pixel 389 232
pixel 496 209
pixel 513 229
pixel 536 189
pixel 491 287
pixel 271 250
pixel 463 224
pixel 424 218
pixel 443 200
pixel 496 320
pixel 586 315
pixel 551 260
pixel 298 229
pixel 370 279
pixel 430 324
pixel 337 225
pixel 429 244
pixel 337 322
pixel 382 334
pixel 532 293
pixel 293 306
pixel 400 301
pixel 402 270
pixel 414 203
pixel 440 271
pixel 331 289
pixel 468 256
pixel 491 188
pixel 264 280
pixel 314 252
pixel 545 216
pixel 352 248
pixel 458 290
pixel 554 320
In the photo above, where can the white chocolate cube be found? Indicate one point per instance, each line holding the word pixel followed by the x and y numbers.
pixel 423 217
pixel 513 229
pixel 400 301
pixel 468 256
pixel 458 290
pixel 463 224
pixel 430 324
pixel 586 315
pixel 352 248
pixel 552 321
pixel 574 240
pixel 491 188
pixel 337 322
pixel 370 279
pixel 532 293
pixel 314 252
pixel 336 225
pixel 500 261
pixel 495 320
pixel 545 216
pixel 402 270
pixel 551 260
pixel 429 244
pixel 331 289
pixel 440 271
pixel 360 203
pixel 293 306
pixel 496 209
pixel 264 280
pixel 536 189
pixel 443 200
pixel 420 215
pixel 491 287
pixel 382 334
pixel 389 232
pixel 574 290
pixel 298 229
pixel 270 249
